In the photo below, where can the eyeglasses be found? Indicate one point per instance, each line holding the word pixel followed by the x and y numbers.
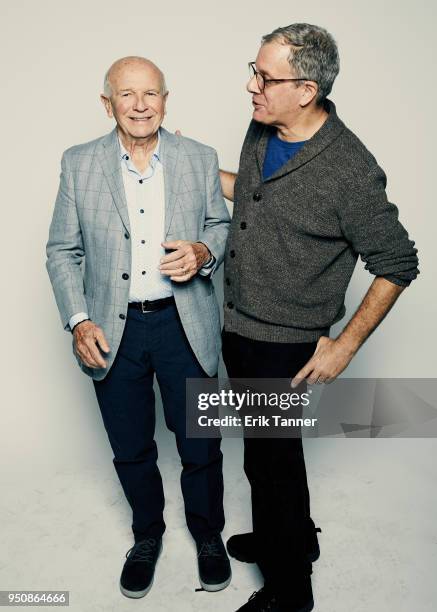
pixel 262 81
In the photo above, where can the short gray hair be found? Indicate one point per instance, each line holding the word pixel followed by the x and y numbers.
pixel 107 89
pixel 313 54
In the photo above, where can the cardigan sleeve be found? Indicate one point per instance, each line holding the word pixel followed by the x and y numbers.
pixel 371 224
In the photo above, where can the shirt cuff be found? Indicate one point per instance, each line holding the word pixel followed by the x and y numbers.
pixel 77 318
pixel 205 270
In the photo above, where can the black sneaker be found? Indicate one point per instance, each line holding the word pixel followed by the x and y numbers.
pixel 260 601
pixel 243 548
pixel 138 570
pixel 214 566
pixel 264 601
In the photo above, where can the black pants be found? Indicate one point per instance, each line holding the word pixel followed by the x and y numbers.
pixel 275 467
pixel 154 343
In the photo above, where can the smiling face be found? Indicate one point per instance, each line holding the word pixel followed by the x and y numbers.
pixel 136 100
pixel 279 103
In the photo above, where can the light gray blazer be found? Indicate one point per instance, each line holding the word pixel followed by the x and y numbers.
pixel 89 246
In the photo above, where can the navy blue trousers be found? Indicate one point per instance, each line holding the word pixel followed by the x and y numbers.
pixel 154 343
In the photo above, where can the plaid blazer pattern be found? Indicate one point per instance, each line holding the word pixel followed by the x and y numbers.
pixel 89 247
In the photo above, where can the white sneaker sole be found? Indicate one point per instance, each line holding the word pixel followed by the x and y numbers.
pixel 215 587
pixel 135 594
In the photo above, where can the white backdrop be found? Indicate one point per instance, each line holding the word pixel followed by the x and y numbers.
pixel 55 54
pixel 54 58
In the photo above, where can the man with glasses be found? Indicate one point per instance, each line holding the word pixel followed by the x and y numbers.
pixel 309 198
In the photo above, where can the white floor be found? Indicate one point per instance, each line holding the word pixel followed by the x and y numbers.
pixel 374 499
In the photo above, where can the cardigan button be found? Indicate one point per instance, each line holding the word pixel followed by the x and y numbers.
pixel 122 316
pixel 125 276
pixel 232 253
pixel 230 305
pixel 257 196
pixel 228 281
pixel 243 225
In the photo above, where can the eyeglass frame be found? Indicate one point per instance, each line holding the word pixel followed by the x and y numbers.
pixel 252 68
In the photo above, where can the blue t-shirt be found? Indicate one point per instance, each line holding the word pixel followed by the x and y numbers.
pixel 278 153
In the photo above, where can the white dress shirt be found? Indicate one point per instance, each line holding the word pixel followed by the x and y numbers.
pixel 145 199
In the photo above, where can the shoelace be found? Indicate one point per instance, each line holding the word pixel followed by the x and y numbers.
pixel 210 548
pixel 142 551
pixel 262 595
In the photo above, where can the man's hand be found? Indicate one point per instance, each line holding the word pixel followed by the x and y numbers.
pixel 330 358
pixel 88 337
pixel 185 261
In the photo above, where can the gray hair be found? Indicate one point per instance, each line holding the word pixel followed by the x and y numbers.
pixel 313 54
pixel 107 89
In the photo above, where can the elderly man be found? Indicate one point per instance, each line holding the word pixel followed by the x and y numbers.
pixel 138 229
pixel 309 198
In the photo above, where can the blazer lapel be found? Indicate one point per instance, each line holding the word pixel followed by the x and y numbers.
pixel 169 154
pixel 109 157
pixel 329 131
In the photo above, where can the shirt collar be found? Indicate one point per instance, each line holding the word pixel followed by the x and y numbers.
pixel 156 155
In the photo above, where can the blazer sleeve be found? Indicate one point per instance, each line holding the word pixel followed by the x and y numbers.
pixel 65 250
pixel 217 218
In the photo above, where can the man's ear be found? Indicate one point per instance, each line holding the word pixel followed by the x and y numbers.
pixel 309 92
pixel 107 104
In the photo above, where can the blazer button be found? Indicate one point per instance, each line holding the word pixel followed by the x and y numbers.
pixel 122 316
pixel 125 276
pixel 257 196
pixel 230 305
pixel 243 225
pixel 232 253
pixel 228 281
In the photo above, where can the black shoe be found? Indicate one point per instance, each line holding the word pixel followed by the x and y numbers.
pixel 264 601
pixel 260 601
pixel 214 566
pixel 138 570
pixel 243 548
